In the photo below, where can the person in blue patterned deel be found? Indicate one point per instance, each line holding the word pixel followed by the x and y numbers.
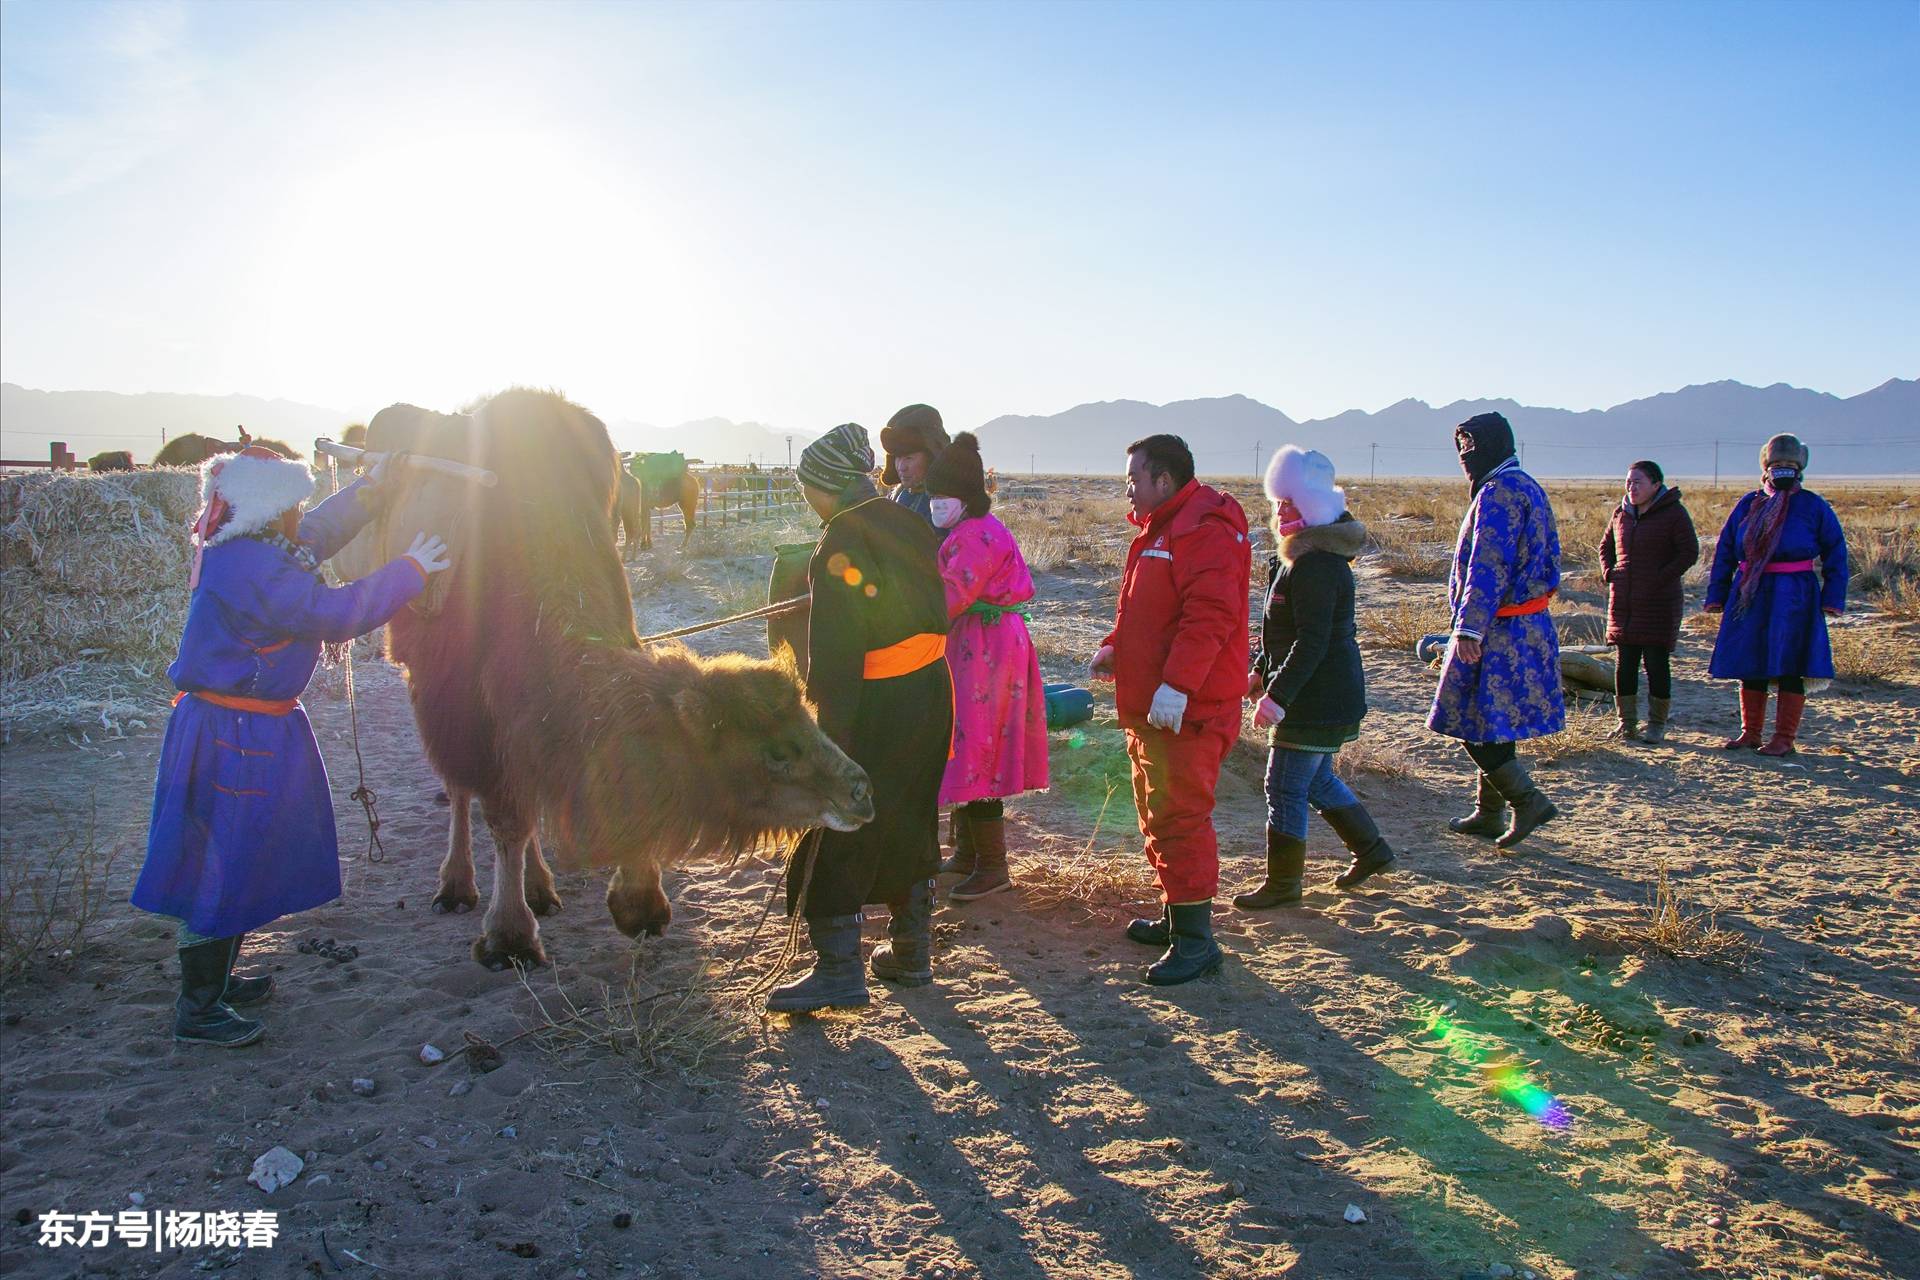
pixel 1500 678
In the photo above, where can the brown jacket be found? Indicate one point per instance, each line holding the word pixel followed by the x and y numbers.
pixel 1645 557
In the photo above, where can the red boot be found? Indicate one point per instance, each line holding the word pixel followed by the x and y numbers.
pixel 1786 723
pixel 1753 719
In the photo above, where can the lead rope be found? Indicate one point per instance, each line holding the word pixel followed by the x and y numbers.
pixel 369 801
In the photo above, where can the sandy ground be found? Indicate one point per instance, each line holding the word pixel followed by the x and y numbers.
pixel 1039 1111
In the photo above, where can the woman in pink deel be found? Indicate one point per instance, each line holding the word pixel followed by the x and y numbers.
pixel 999 702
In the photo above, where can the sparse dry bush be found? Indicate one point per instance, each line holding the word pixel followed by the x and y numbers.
pixel 1371 756
pixel 1586 733
pixel 1398 625
pixel 1675 927
pixel 1864 653
pixel 49 904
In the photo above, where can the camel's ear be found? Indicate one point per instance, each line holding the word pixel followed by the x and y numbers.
pixel 787 660
pixel 696 711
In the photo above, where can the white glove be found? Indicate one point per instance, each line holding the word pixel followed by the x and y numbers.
pixel 1268 714
pixel 1169 708
pixel 429 551
pixel 1101 668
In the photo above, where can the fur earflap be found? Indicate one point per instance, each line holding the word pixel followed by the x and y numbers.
pixel 254 490
pixel 1305 478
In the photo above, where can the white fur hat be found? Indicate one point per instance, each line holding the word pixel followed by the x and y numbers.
pixel 251 489
pixel 1305 478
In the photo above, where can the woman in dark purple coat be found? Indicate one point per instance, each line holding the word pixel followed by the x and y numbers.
pixel 1648 548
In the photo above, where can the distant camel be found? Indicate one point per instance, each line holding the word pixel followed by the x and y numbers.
pixel 111 460
pixel 192 449
pixel 637 504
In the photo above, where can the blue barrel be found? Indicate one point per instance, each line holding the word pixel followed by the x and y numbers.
pixel 1068 705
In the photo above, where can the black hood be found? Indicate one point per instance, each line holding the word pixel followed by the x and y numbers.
pixel 1492 437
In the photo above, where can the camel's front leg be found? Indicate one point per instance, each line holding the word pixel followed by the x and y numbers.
pixel 542 895
pixel 512 932
pixel 459 891
pixel 637 901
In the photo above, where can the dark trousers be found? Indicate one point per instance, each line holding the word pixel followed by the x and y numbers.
pixel 1626 672
pixel 1489 755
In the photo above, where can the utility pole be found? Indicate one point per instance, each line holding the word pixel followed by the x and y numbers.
pixel 1373 462
pixel 1256 459
pixel 1716 466
pixel 789 453
pixel 1031 469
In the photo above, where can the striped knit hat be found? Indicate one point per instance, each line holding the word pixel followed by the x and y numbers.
pixel 837 458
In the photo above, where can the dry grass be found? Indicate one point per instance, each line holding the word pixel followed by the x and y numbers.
pixel 1586 733
pixel 1864 653
pixel 1098 882
pixel 1398 626
pixel 1057 532
pixel 1675 927
pixel 1371 756
pixel 682 1027
pixel 49 905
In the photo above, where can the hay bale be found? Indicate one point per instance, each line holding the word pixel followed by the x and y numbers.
pixel 93 575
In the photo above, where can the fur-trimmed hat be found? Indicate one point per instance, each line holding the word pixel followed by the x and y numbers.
pixel 958 472
pixel 1304 477
pixel 247 491
pixel 915 429
pixel 1786 449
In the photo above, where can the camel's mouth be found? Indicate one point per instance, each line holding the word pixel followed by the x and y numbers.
pixel 834 820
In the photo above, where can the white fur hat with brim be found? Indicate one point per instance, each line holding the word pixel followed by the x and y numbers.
pixel 1304 477
pixel 247 491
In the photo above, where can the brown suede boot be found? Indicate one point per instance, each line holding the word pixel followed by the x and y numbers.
pixel 1658 710
pixel 962 860
pixel 989 861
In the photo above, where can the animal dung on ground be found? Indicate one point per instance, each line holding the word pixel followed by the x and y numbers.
pixel 275 1168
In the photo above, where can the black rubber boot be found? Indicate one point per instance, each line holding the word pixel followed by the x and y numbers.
pixel 1193 952
pixel 962 861
pixel 1286 870
pixel 837 980
pixel 1149 932
pixel 906 957
pixel 1489 816
pixel 1371 852
pixel 244 991
pixel 1530 809
pixel 200 1016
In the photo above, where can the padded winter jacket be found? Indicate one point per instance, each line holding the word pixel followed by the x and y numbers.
pixel 1182 618
pixel 1309 658
pixel 1645 556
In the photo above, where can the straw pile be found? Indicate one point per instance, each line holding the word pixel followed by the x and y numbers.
pixel 93 590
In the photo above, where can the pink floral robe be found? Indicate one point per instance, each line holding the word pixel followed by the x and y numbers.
pixel 999 702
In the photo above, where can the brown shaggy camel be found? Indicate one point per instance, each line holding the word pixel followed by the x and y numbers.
pixel 192 449
pixel 532 691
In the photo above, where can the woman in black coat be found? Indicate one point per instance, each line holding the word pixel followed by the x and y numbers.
pixel 877 672
pixel 1648 548
pixel 1307 676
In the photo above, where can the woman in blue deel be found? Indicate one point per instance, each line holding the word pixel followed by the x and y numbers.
pixel 242 829
pixel 1779 571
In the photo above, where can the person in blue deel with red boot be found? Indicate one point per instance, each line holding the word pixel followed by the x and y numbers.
pixel 242 828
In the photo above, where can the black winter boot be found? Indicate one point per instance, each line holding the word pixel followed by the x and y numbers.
pixel 1149 932
pixel 243 991
pixel 1489 816
pixel 962 860
pixel 1371 852
pixel 837 980
pixel 1286 869
pixel 906 957
pixel 1193 952
pixel 200 1016
pixel 1530 808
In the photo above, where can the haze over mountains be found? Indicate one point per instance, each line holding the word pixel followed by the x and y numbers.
pixel 1874 433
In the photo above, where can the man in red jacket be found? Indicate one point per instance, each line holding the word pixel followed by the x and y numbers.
pixel 1177 655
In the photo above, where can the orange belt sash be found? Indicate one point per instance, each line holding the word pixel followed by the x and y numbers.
pixel 264 706
pixel 906 657
pixel 1538 604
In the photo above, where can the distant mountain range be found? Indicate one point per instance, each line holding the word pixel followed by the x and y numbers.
pixel 1874 433
pixel 92 422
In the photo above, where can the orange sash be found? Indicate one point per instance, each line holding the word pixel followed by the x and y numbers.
pixel 906 657
pixel 264 706
pixel 1536 605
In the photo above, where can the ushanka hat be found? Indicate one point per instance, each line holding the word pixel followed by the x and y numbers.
pixel 837 458
pixel 1786 451
pixel 1304 477
pixel 243 493
pixel 915 429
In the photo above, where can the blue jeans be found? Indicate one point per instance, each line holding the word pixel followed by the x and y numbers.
pixel 1296 779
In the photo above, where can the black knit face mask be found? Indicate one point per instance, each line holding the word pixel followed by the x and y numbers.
pixel 1783 477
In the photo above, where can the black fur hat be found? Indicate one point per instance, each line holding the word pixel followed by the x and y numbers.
pixel 958 473
pixel 915 429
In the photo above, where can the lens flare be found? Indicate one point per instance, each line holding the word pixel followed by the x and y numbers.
pixel 1501 1071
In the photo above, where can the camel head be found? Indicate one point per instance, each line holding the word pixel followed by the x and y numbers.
pixel 748 729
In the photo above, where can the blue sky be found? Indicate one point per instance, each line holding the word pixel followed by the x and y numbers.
pixel 807 213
